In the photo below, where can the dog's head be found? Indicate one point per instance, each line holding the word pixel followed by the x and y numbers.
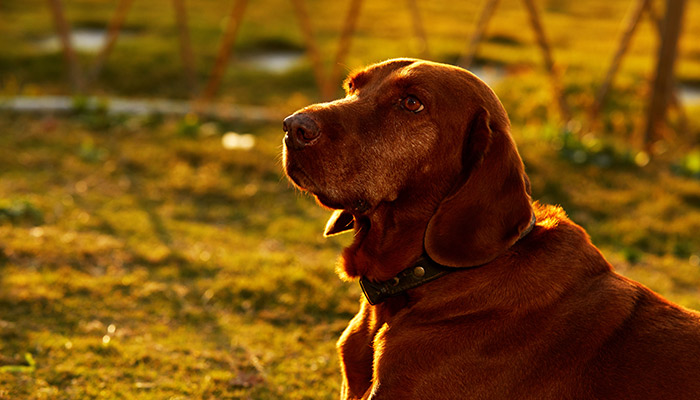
pixel 412 133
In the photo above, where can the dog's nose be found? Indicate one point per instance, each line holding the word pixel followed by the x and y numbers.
pixel 301 130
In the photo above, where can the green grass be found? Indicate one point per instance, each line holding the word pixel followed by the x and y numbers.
pixel 212 271
pixel 141 259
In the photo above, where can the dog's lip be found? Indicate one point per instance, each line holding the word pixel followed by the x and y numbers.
pixel 303 181
pixel 300 178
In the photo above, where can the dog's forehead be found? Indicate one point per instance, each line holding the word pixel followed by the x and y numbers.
pixel 378 72
pixel 438 72
pixel 407 70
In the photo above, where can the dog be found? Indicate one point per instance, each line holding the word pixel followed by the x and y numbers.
pixel 471 289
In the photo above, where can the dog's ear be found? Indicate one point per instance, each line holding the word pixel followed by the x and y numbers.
pixel 490 208
pixel 339 222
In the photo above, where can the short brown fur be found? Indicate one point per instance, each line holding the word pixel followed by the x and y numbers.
pixel 538 317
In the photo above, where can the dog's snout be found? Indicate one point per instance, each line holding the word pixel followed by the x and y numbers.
pixel 301 130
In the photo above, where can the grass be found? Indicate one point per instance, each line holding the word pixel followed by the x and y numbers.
pixel 167 266
pixel 142 259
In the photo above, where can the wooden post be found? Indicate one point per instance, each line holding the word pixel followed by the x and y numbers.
pixel 312 49
pixel 484 18
pixel 63 29
pixel 113 29
pixel 420 30
pixel 630 26
pixel 663 77
pixel 675 101
pixel 222 58
pixel 344 42
pixel 185 45
pixel 548 60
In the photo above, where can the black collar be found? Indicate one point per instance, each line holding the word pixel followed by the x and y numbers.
pixel 422 271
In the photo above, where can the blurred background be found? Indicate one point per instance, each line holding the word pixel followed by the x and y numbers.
pixel 150 246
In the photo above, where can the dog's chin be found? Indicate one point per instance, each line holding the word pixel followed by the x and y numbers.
pixel 327 202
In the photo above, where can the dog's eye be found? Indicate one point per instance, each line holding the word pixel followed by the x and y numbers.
pixel 412 104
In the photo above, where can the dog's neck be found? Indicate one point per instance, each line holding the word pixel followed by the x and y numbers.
pixel 422 271
pixel 387 240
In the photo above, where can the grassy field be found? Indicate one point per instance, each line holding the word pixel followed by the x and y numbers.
pixel 138 262
pixel 140 258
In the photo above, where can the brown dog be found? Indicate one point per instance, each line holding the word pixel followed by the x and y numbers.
pixel 467 297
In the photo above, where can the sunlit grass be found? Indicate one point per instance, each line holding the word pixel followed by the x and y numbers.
pixel 211 268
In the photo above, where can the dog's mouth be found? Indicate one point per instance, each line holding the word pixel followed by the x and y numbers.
pixel 298 177
pixel 326 196
pixel 304 182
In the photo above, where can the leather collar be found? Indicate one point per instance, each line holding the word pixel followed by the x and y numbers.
pixel 422 271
